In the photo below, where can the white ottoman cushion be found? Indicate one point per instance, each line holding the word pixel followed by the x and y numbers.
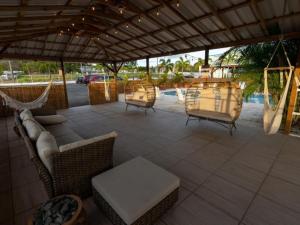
pixel 134 187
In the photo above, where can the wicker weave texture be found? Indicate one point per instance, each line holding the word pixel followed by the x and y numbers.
pixel 147 219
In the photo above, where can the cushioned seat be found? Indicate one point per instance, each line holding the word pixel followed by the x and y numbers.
pixel 137 103
pixel 211 115
pixel 135 187
pixel 63 134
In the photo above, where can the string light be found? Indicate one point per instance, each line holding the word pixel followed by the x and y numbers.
pixel 82 19
pixel 116 32
pixel 140 19
pixel 68 29
pixel 98 38
pixel 73 24
pixel 93 8
pixel 157 12
pixel 77 36
pixel 127 25
pixel 177 3
pixel 106 35
pixel 121 10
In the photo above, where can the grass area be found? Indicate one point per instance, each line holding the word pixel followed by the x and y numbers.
pixel 41 78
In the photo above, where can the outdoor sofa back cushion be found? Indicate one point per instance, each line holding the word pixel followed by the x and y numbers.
pixel 46 146
pixel 25 114
pixel 33 128
pixel 51 119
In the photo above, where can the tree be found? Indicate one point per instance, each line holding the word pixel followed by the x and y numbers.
pixel 1 69
pixel 182 64
pixel 197 64
pixel 165 65
pixel 254 58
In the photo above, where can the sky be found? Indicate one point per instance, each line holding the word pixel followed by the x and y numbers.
pixel 192 56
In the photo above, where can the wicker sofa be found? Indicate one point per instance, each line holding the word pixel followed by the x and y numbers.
pixel 73 169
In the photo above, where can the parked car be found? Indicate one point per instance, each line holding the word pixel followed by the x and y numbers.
pixel 94 77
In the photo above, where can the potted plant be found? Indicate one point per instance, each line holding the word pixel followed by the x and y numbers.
pixel 177 79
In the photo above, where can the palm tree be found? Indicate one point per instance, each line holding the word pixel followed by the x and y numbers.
pixel 182 64
pixel 254 58
pixel 165 65
pixel 197 64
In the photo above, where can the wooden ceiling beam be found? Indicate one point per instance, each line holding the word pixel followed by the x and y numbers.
pixel 256 10
pixel 5 8
pixel 214 11
pixel 37 18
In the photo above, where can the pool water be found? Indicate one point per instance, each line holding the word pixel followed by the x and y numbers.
pixel 257 98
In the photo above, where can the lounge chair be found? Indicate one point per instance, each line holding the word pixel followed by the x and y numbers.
pixel 219 102
pixel 141 95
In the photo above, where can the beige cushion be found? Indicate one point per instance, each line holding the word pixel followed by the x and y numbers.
pixel 51 119
pixel 26 114
pixel 46 147
pixel 211 115
pixel 33 128
pixel 134 187
pixel 137 103
pixel 85 142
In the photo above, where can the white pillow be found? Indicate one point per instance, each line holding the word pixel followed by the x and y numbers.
pixel 51 119
pixel 25 114
pixel 33 128
pixel 84 142
pixel 46 146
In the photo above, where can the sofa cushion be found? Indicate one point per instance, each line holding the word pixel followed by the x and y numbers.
pixel 211 115
pixel 63 133
pixel 26 114
pixel 46 147
pixel 33 128
pixel 85 142
pixel 50 119
pixel 135 187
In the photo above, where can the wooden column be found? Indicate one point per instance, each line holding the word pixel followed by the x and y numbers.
pixel 62 72
pixel 206 65
pixel 293 97
pixel 147 68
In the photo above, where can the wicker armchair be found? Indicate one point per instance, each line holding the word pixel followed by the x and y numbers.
pixel 72 169
pixel 141 95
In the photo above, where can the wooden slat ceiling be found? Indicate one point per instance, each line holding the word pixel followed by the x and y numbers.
pixel 123 30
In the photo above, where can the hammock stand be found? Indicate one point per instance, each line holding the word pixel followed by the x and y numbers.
pixel 18 105
pixel 272 117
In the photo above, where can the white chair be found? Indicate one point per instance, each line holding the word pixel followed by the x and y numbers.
pixel 180 95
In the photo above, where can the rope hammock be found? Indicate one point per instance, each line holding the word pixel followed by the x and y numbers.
pixel 273 117
pixel 106 90
pixel 18 105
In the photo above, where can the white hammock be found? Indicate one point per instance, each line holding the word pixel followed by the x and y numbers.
pixel 273 117
pixel 106 90
pixel 18 105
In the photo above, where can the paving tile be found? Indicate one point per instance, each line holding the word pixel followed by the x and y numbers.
pixel 211 158
pixel 266 212
pixel 190 172
pixel 194 211
pixel 226 196
pixel 254 161
pixel 6 206
pixel 24 176
pixel 5 183
pixel 162 159
pixel 282 192
pixel 287 170
pixel 241 175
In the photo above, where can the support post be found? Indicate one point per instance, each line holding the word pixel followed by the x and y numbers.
pixel 114 68
pixel 293 97
pixel 147 68
pixel 206 65
pixel 62 72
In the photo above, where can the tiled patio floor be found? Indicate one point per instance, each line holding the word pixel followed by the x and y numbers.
pixel 247 179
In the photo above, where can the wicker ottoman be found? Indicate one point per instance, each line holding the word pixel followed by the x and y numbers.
pixel 136 192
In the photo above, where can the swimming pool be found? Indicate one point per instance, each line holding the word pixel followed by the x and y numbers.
pixel 256 98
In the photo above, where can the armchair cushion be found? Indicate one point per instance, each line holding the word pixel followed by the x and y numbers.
pixel 84 142
pixel 46 147
pixel 33 128
pixel 50 119
pixel 26 114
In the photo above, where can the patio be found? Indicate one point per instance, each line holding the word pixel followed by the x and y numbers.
pixel 245 179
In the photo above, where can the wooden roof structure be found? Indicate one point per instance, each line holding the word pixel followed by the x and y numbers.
pixel 125 30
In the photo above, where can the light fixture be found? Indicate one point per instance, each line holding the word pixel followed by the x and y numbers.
pixel 140 19
pixel 116 32
pixel 82 19
pixel 68 29
pixel 73 24
pixel 98 38
pixel 127 25
pixel 177 3
pixel 106 35
pixel 121 10
pixel 157 12
pixel 77 36
pixel 93 8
